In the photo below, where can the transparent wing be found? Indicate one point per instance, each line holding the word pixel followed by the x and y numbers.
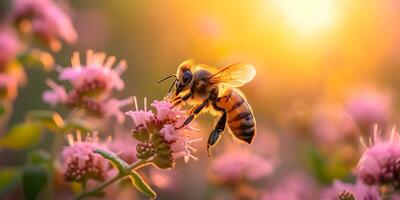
pixel 234 75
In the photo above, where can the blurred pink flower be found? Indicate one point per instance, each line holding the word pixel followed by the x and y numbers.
pixel 358 189
pixel 380 162
pixel 97 74
pixel 8 87
pixel 369 106
pixel 295 186
pixel 90 19
pixel 56 95
pixel 80 163
pixel 159 137
pixel 92 86
pixel 9 47
pixel 44 19
pixel 238 165
pixel 124 147
pixel 331 123
pixel 164 179
pixel 112 107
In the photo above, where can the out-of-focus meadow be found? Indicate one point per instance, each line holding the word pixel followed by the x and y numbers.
pixel 327 72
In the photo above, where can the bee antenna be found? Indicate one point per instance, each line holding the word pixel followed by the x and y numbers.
pixel 173 83
pixel 165 78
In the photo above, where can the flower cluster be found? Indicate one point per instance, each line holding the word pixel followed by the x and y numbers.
pixel 11 75
pixel 369 106
pixel 41 18
pixel 234 166
pixel 123 146
pixel 160 140
pixel 44 20
pixel 80 163
pixel 293 186
pixel 358 190
pixel 92 85
pixel 380 162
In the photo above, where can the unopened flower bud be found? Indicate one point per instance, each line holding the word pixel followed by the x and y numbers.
pixel 145 150
pixel 346 195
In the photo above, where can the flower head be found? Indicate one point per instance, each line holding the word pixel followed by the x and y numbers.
pixel 369 106
pixel 9 47
pixel 331 123
pixel 235 165
pixel 92 86
pixel 380 162
pixel 80 163
pixel 45 20
pixel 159 138
pixel 294 186
pixel 123 146
pixel 97 75
pixel 343 190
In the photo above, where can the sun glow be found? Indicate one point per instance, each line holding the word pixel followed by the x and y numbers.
pixel 308 16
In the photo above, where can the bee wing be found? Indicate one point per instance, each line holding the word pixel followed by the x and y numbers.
pixel 235 75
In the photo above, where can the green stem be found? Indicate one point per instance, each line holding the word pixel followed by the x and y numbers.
pixel 138 164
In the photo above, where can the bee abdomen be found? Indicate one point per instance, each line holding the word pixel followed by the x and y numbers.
pixel 243 126
pixel 240 117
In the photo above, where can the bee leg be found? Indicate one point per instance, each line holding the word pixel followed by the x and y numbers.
pixel 196 111
pixel 215 135
pixel 178 100
pixel 192 110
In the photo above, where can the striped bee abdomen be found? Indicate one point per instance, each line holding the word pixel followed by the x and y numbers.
pixel 240 117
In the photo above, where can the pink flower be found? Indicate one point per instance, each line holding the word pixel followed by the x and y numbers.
pixel 162 178
pixel 112 107
pixel 97 74
pixel 8 87
pixel 80 163
pixel 164 110
pixel 235 165
pixel 9 47
pixel 359 191
pixel 56 95
pixel 369 106
pixel 380 162
pixel 45 20
pixel 140 117
pixel 124 147
pixel 159 137
pixel 295 186
pixel 92 86
pixel 331 123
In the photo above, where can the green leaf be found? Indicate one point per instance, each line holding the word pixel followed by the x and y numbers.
pixel 51 120
pixel 318 165
pixel 39 157
pixel 22 135
pixel 37 58
pixel 116 161
pixel 34 179
pixel 9 178
pixel 142 186
pixel 78 124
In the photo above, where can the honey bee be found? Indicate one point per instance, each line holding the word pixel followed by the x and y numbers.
pixel 215 90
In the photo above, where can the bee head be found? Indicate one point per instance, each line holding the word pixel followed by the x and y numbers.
pixel 184 76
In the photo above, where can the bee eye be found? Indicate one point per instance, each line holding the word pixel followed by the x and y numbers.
pixel 186 77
